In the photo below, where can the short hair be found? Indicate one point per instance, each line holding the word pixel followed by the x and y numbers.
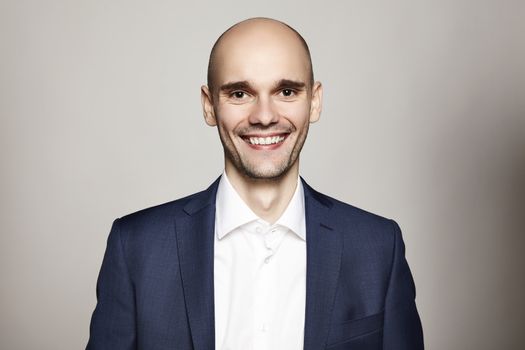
pixel 212 59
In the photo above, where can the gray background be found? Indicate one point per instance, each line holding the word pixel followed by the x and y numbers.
pixel 424 122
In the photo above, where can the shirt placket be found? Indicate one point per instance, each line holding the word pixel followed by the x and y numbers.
pixel 263 287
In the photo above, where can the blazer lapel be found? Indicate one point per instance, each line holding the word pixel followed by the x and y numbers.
pixel 324 247
pixel 195 242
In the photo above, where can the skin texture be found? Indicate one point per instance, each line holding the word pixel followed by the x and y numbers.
pixel 262 88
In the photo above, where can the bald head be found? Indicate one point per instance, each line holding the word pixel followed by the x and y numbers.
pixel 257 34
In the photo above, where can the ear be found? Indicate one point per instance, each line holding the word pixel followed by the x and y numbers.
pixel 207 106
pixel 316 104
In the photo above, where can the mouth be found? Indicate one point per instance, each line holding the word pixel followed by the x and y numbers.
pixel 265 141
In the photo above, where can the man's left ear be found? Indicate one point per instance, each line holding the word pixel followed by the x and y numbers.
pixel 316 104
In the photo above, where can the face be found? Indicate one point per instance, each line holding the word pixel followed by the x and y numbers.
pixel 262 104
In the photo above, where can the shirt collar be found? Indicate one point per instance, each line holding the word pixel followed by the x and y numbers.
pixel 232 212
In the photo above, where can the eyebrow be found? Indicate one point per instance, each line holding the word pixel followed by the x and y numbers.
pixel 235 85
pixel 245 85
pixel 290 84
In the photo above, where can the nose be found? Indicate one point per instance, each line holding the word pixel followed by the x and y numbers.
pixel 263 112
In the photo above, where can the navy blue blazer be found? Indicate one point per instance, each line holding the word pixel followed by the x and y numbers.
pixel 155 287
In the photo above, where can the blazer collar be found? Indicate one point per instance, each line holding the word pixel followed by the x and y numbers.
pixel 195 240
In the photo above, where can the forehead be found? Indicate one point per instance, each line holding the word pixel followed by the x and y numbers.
pixel 261 54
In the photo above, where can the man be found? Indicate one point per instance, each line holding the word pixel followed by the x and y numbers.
pixel 259 260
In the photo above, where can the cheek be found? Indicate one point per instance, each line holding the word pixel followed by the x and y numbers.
pixel 229 117
pixel 297 113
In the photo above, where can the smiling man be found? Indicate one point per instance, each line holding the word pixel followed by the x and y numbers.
pixel 259 260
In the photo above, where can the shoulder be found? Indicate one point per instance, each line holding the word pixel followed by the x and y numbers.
pixel 350 212
pixel 353 220
pixel 158 219
pixel 366 236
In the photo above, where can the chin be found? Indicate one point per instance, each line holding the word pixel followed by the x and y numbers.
pixel 265 173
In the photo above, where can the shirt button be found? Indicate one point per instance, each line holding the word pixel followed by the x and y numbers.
pixel 258 229
pixel 267 260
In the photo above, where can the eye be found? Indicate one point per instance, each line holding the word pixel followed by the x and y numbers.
pixel 287 92
pixel 238 94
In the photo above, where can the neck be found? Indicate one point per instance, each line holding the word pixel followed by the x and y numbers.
pixel 267 198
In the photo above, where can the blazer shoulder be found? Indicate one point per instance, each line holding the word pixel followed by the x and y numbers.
pixel 154 218
pixel 350 210
pixel 345 209
pixel 346 216
pixel 158 211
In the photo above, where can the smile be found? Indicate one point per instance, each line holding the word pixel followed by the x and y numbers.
pixel 260 142
pixel 265 140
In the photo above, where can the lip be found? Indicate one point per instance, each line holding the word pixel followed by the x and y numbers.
pixel 272 146
pixel 284 133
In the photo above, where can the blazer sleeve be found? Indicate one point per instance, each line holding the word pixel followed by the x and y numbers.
pixel 113 321
pixel 402 326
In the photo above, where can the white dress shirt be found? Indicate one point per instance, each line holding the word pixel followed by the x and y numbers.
pixel 259 274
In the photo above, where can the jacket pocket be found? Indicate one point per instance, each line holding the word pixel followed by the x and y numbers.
pixel 348 330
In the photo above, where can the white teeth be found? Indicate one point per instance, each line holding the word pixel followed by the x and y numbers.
pixel 266 140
